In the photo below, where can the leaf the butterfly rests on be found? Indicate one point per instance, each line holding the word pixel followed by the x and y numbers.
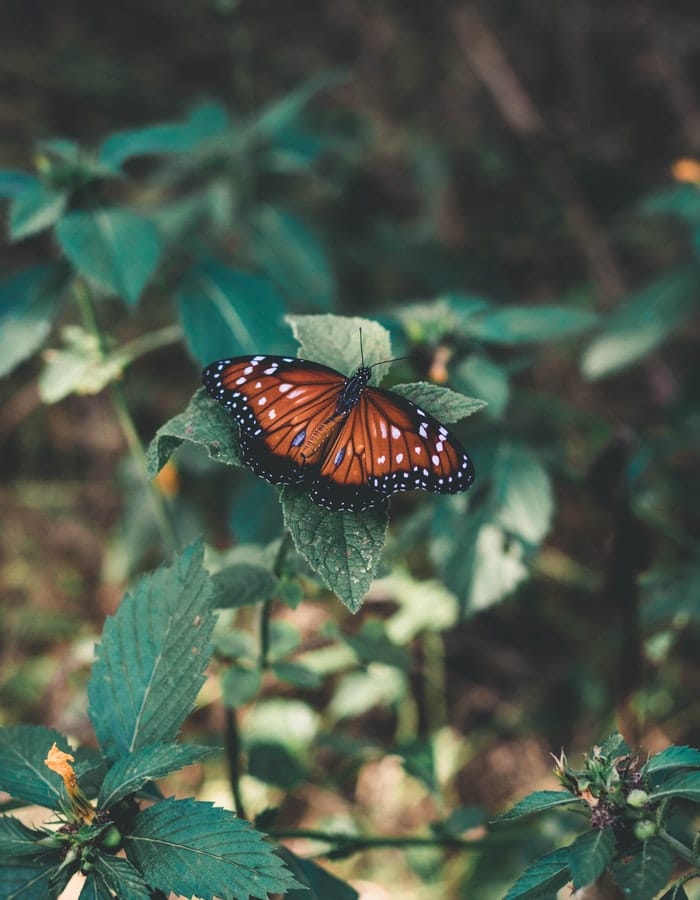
pixel 353 445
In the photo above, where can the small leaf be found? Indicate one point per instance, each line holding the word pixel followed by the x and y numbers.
pixel 18 840
pixel 281 114
pixel 589 855
pixel 276 764
pixel 28 879
pixel 243 584
pixel 543 878
pixel 318 883
pixel 418 759
pixel 14 182
pixel 372 644
pixel 132 771
pixel 446 405
pixel 643 874
pixel 479 375
pixel 335 341
pixel 114 248
pixel 35 209
pixel 194 848
pixel 522 493
pixel 239 685
pixel 674 758
pixel 120 876
pixel 23 774
pixel 227 312
pixel 614 746
pixel 80 367
pixel 151 660
pixel 525 324
pixel 343 548
pixel 682 784
pixel 538 802
pixel 297 675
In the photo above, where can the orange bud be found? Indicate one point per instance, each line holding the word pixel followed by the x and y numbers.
pixel 686 170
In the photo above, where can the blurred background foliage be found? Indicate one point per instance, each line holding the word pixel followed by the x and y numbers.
pixel 512 191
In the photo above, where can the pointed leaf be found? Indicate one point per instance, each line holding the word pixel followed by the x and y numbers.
pixel 114 248
pixel 94 888
pixel 119 875
pixel 283 113
pixel 343 548
pixel 643 874
pixel 479 375
pixel 243 584
pixel 228 312
pixel 28 879
pixel 151 660
pixel 239 685
pixel 18 840
pixel 589 855
pixel 538 802
pixel 682 784
pixel 194 848
pixel 446 405
pixel 14 182
pixel 23 749
pixel 335 341
pixel 131 772
pixel 35 209
pixel 677 892
pixel 298 675
pixel 525 324
pixel 318 883
pixel 545 877
pixel 522 493
pixel 80 367
pixel 674 758
pixel 614 746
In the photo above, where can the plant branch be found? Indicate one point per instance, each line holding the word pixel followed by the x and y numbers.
pixel 233 757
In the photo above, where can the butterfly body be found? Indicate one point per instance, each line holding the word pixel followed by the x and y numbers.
pixel 354 446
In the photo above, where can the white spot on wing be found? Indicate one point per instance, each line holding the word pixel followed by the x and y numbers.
pixel 381 459
pixel 436 459
pixel 262 401
pixel 395 433
pixel 283 388
pixel 399 457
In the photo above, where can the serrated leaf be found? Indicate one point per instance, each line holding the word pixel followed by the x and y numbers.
pixel 525 324
pixel 204 121
pixel 80 367
pixel 292 257
pixel 131 772
pixel 28 879
pixel 682 784
pixel 643 874
pixel 343 548
pixel 34 209
pixel 335 341
pixel 481 376
pixel 120 876
pixel 674 758
pixel 23 749
pixel 243 584
pixel 589 855
pixel 114 248
pixel 14 182
pixel 239 685
pixel 544 877
pixel 205 423
pixel 152 656
pixel 538 802
pixel 194 848
pixel 29 302
pixel 94 888
pixel 677 892
pixel 227 312
pixel 16 839
pixel 646 319
pixel 446 405
pixel 319 884
pixel 614 746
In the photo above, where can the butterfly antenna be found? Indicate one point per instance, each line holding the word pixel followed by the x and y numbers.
pixel 362 355
pixel 384 361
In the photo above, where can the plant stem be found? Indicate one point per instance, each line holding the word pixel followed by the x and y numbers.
pixel 154 340
pixel 266 608
pixel 233 756
pixel 679 848
pixel 356 843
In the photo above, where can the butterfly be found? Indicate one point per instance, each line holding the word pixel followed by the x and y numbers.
pixel 352 445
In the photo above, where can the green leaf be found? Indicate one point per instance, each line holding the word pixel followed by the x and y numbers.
pixel 479 375
pixel 119 875
pixel 525 324
pixel 204 423
pixel 28 879
pixel 418 759
pixel 423 606
pixel 643 874
pixel 538 802
pixel 683 784
pixel 94 888
pixel 16 839
pixel 522 493
pixel 358 692
pixel 647 319
pixel 318 883
pixel 292 257
pixel 372 644
pixel 243 584
pixel 114 248
pixel 343 548
pixel 674 758
pixel 36 208
pixel 191 847
pixel 79 368
pixel 677 892
pixel 446 405
pixel 682 201
pixel 132 771
pixel 204 121
pixel 543 878
pixel 29 302
pixel 14 182
pixel 297 675
pixel 239 685
pixel 227 312
pixel 335 341
pixel 151 660
pixel 589 855
pixel 614 746
pixel 23 774
pixel 281 114
pixel 276 764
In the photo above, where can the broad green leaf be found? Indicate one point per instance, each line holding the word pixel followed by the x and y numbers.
pixel 614 746
pixel 119 875
pixel 522 493
pixel 284 721
pixel 297 675
pixel 358 692
pixel 343 548
pixel 295 149
pixel 205 423
pixel 16 839
pixel 227 312
pixel 461 819
pixel 682 200
pixel 446 405
pixel 274 763
pixel 647 319
pixel 589 855
pixel 677 892
pixel 525 324
pixel 479 375
pixel 29 302
pixel 151 660
pixel 132 771
pixel 292 257
pixel 318 883
pixel 683 784
pixel 79 368
pixel 204 121
pixel 94 888
pixel 335 341
pixel 544 877
pixel 643 874
pixel 674 758
pixel 14 182
pixel 243 584
pixel 423 606
pixel 372 644
pixel 538 802
pixel 194 848
pixel 281 114
pixel 239 685
pixel 114 248
pixel 36 208
pixel 418 758
pixel 28 879
pixel 23 774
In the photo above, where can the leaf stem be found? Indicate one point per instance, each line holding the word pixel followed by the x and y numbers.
pixel 233 756
pixel 266 608
pixel 355 843
pixel 679 848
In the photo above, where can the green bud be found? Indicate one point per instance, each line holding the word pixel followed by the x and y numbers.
pixel 112 838
pixel 637 798
pixel 644 829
